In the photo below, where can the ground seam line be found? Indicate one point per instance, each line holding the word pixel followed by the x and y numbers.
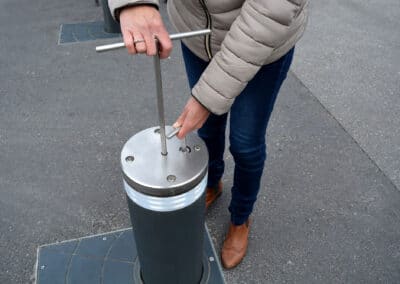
pixel 345 130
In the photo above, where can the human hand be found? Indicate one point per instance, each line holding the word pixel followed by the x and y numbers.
pixel 139 25
pixel 193 117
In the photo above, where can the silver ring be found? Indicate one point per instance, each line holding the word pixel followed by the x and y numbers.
pixel 137 41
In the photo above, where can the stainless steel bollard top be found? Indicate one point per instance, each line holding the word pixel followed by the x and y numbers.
pixel 152 174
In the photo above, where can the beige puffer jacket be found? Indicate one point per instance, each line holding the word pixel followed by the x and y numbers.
pixel 246 34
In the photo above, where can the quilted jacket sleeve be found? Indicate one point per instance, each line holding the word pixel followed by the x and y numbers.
pixel 115 5
pixel 261 26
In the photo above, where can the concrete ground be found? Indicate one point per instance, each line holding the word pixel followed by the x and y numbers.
pixel 328 210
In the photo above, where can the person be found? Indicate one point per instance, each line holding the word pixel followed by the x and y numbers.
pixel 238 68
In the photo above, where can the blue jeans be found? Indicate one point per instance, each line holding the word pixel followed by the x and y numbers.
pixel 249 118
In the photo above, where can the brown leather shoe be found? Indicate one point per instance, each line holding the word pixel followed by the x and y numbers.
pixel 235 245
pixel 212 193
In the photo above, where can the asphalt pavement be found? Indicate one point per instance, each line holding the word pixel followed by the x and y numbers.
pixel 328 210
pixel 349 58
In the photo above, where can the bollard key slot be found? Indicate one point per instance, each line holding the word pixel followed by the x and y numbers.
pixel 185 149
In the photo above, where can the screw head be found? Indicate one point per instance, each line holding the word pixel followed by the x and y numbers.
pixel 171 178
pixel 130 159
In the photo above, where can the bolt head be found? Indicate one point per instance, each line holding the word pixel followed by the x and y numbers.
pixel 130 159
pixel 171 178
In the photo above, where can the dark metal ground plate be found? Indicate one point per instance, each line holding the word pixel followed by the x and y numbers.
pixel 106 258
pixel 73 33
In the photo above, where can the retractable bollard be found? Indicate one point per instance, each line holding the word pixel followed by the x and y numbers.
pixel 110 25
pixel 165 180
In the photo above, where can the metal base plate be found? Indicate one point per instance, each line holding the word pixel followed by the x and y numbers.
pixel 105 258
pixel 79 32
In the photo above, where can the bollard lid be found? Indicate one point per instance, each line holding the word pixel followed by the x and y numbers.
pixel 149 172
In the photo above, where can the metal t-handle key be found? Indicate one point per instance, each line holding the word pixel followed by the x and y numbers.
pixel 157 70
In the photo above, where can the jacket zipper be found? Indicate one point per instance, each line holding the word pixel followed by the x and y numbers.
pixel 207 38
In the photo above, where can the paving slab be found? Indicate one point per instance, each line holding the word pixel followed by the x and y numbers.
pixel 326 213
pixel 350 60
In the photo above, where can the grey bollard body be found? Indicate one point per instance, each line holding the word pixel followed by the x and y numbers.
pixel 166 198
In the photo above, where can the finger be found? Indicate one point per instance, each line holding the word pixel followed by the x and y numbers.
pixel 185 129
pixel 165 43
pixel 139 42
pixel 150 44
pixel 179 121
pixel 176 124
pixel 128 40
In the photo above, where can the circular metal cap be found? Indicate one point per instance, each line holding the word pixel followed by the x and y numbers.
pixel 148 171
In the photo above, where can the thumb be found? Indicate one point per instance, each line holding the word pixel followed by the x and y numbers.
pixel 179 121
pixel 183 131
